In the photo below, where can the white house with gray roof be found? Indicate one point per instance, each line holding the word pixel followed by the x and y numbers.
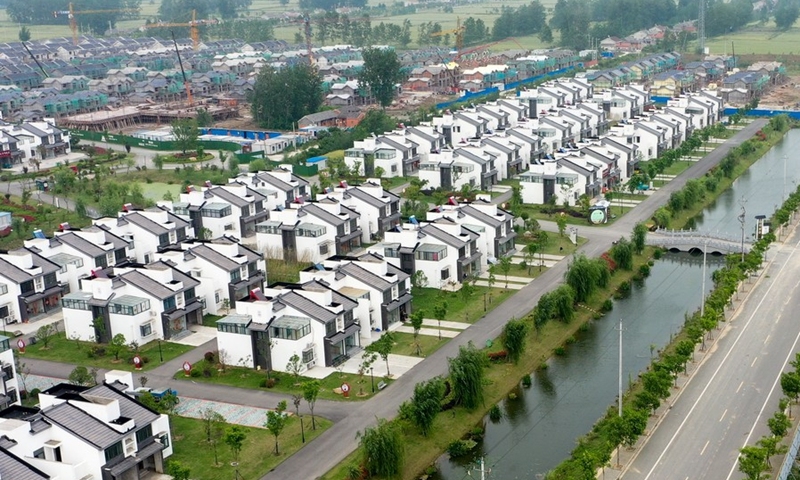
pixel 280 186
pixel 80 251
pixel 79 432
pixel 565 180
pixel 226 269
pixel 393 152
pixel 29 286
pixel 141 302
pixel 494 226
pixel 310 231
pixel 148 230
pixel 370 277
pixel 310 320
pixel 444 251
pixel 379 209
pixel 468 165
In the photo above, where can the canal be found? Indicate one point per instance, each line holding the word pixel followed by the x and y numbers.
pixel 540 427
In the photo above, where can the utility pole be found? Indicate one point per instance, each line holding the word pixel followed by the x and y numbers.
pixel 741 221
pixel 703 298
pixel 701 27
pixel 619 392
pixel 481 468
pixel 784 178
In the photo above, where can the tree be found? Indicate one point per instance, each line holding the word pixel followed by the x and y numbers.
pixel 753 462
pixel 178 471
pixel 116 345
pixel 383 347
pixel 204 118
pixel 467 372
pixel 45 333
pixel 158 161
pixel 419 280
pixel 185 132
pixel 439 313
pixel 257 165
pixel 80 376
pixel 638 237
pixel 310 393
pixel 380 74
pixel 790 384
pixel 416 318
pixel 530 254
pixel 426 403
pixel 779 424
pixel 367 359
pixel 24 34
pixel 234 438
pixel 382 447
pixel 786 13
pixel 505 267
pixel 281 97
pixel 622 254
pixel 233 165
pixel 515 335
pixel 213 425
pixel 276 422
pixel 294 367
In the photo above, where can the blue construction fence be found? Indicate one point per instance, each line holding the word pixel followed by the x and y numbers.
pixel 762 112
pixel 249 134
pixel 509 86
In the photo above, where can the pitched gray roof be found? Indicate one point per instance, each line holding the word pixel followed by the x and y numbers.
pixel 13 273
pixel 79 243
pixel 323 214
pixel 473 212
pixel 84 426
pixel 213 256
pixel 374 201
pixel 365 276
pixel 443 236
pixel 13 467
pixel 308 307
pixel 146 284
pixel 128 407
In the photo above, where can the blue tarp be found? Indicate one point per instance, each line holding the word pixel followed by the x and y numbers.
pixel 251 134
pixel 760 112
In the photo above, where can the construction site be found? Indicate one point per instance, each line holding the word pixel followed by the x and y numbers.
pixel 124 118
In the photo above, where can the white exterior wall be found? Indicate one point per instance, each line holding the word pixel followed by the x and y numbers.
pixel 532 193
pixel 270 244
pixel 238 347
pixel 78 324
pixel 7 358
pixel 10 299
pixel 647 143
pixel 128 325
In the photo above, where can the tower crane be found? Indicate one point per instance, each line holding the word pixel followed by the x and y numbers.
pixel 73 23
pixel 193 25
pixel 459 34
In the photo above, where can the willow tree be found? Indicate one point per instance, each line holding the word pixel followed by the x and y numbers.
pixel 382 448
pixel 467 372
pixel 515 335
pixel 426 403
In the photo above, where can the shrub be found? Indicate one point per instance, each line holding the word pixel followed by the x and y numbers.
pixel 526 380
pixel 608 305
pixel 560 351
pixel 210 357
pixel 195 373
pixel 570 340
pixel 495 414
pixel 34 393
pixel 497 356
pixel 543 366
pixel 459 448
pixel 476 433
pixel 658 253
pixel 271 382
pixel 644 270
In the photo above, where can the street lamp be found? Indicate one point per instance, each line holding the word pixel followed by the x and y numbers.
pixel 235 465
pixel 302 430
pixel 703 299
pixel 160 353
pixel 372 378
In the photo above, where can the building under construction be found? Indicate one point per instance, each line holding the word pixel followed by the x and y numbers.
pixel 118 119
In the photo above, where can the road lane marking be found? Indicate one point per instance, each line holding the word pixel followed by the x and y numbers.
pixel 740 386
pixel 723 414
pixel 766 339
pixel 754 361
pixel 704 449
pixel 719 367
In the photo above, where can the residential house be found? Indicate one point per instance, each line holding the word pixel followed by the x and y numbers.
pixel 212 262
pixel 84 432
pixel 494 226
pixel 29 286
pixel 148 230
pixel 379 209
pixel 78 252
pixel 141 302
pixel 367 277
pixel 393 153
pixel 565 180
pixel 310 320
pixel 445 252
pixel 310 231
pixel 467 165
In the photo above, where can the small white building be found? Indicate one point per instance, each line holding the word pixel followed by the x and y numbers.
pixel 565 179
pixel 280 186
pixel 147 230
pixel 379 209
pixel 29 286
pixel 81 432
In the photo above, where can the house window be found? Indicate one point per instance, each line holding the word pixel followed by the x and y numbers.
pixel 146 330
pixel 169 304
pixel 217 296
pixel 229 227
pixel 39 283
pixel 163 439
pixel 39 453
pixel 308 355
pixel 235 276
pixel 323 249
pixel 445 273
pixel 113 451
pixel 189 295
pixel 163 240
pixel 144 433
pixel 239 328
pixel 119 255
pixel 3 288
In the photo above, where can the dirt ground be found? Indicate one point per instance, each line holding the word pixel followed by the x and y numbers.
pixel 786 95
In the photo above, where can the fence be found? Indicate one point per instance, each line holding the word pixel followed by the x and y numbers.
pixel 762 112
pixel 509 86
pixel 788 460
pixel 149 144
pixel 249 134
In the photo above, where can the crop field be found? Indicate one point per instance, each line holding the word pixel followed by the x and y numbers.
pixel 758 40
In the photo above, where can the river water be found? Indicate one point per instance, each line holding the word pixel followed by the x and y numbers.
pixel 540 427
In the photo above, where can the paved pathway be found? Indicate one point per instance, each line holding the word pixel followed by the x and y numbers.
pixel 430 332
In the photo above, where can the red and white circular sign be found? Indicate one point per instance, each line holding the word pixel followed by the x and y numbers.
pixel 345 387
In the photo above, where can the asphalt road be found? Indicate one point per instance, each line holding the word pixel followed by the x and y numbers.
pixel 338 441
pixel 727 403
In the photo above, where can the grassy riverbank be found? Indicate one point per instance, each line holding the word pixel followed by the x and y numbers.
pixel 421 451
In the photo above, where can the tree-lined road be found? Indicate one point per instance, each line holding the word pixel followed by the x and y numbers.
pixel 728 401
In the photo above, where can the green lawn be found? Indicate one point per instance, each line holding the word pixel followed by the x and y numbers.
pixel 404 343
pixel 678 167
pixel 60 349
pixel 285 383
pixel 210 320
pixel 535 212
pixel 556 245
pixel 460 309
pixel 157 191
pixel 45 217
pixel 256 458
